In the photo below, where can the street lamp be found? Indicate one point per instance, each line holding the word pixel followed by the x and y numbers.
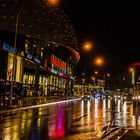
pixel 99 61
pixel 133 71
pixel 87 46
pixel 52 2
pixel 14 56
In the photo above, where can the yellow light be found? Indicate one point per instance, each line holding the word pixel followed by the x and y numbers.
pixel 108 75
pixel 93 78
pixel 96 72
pixel 131 69
pixel 70 72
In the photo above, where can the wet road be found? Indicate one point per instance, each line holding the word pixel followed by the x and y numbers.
pixel 65 121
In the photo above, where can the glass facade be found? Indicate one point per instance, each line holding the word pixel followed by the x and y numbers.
pixel 10 66
pixel 43 82
pixel 18 69
pixel 28 79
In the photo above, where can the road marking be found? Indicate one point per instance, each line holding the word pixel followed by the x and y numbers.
pixel 37 106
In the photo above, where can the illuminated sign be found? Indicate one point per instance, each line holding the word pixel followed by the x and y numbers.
pixel 57 63
pixel 59 73
pixel 29 56
pixel 136 64
pixel 53 71
pixel 56 72
pixel 8 48
pixel 36 60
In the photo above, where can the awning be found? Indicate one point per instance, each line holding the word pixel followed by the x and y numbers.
pixel 64 51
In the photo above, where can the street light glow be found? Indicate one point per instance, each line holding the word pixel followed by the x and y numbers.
pixel 99 61
pixel 52 2
pixel 87 46
pixel 131 69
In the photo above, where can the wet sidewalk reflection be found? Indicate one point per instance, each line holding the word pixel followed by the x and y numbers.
pixel 71 120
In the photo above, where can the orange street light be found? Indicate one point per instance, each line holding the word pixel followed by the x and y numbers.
pixel 87 46
pixel 99 61
pixel 52 2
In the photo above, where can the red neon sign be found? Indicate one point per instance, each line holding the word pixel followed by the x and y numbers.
pixel 136 64
pixel 58 63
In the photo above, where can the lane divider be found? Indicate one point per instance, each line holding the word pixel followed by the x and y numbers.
pixel 37 106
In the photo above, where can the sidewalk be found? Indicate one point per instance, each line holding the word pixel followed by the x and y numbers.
pixel 132 134
pixel 32 101
pixel 124 134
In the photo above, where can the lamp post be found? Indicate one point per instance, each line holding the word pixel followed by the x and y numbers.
pixel 86 47
pixel 14 57
pixel 133 73
pixel 50 2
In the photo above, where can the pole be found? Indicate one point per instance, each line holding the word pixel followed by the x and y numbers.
pixel 14 58
pixel 85 78
pixel 137 93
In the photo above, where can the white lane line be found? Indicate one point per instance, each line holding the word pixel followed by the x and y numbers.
pixel 36 106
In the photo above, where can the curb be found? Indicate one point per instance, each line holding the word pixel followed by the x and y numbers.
pixel 123 133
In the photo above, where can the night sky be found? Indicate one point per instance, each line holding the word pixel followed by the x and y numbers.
pixel 114 32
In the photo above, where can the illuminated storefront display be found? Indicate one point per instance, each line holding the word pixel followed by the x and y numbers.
pixel 18 68
pixel 57 71
pixel 43 82
pixel 28 79
pixel 57 62
pixel 10 66
pixel 19 60
pixel 38 67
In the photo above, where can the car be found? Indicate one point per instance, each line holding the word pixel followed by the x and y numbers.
pixel 86 96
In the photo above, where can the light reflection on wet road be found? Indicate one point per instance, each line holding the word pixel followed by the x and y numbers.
pixel 65 121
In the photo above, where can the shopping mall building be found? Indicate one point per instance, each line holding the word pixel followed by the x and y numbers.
pixel 41 52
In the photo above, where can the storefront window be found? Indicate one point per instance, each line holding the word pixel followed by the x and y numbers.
pixel 10 66
pixel 42 80
pixel 51 79
pixel 28 79
pixel 19 69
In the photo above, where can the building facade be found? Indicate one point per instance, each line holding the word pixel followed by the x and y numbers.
pixel 42 68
